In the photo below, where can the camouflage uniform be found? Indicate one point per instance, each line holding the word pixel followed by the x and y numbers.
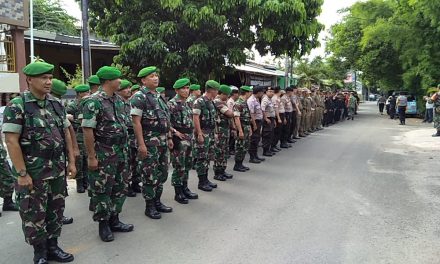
pixel 105 114
pixel 436 118
pixel 41 125
pixel 73 108
pixel 206 110
pixel 132 175
pixel 242 145
pixel 6 178
pixel 222 131
pixel 181 158
pixel 190 100
pixel 155 126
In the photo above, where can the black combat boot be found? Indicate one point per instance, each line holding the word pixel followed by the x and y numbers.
pixel 203 183
pixel 130 192
pixel 228 176
pixel 253 159
pixel 267 153
pixel 91 206
pixel 239 166
pixel 40 253
pixel 105 233
pixel 85 183
pixel 159 205
pixel 244 167
pixel 219 176
pixel 284 145
pixel 213 185
pixel 80 186
pixel 259 158
pixel 188 193
pixel 151 211
pixel 135 187
pixel 67 220
pixel 179 195
pixel 118 226
pixel 8 204
pixel 437 134
pixel 55 253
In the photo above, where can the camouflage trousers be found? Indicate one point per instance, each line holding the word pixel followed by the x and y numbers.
pixel 202 153
pixel 6 178
pixel 154 171
pixel 242 145
pixel 41 210
pixel 436 118
pixel 221 149
pixel 81 163
pixel 182 160
pixel 308 124
pixel 108 187
pixel 302 125
pixel 134 175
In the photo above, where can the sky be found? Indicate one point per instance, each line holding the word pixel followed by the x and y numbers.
pixel 328 17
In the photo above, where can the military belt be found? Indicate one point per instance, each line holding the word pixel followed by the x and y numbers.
pixel 184 130
pixel 42 153
pixel 111 141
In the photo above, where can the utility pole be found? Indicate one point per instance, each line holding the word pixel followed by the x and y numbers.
pixel 85 45
pixel 31 11
pixel 286 74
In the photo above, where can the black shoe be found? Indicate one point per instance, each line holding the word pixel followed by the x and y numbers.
pixel 40 253
pixel 188 193
pixel 267 153
pixel 228 176
pixel 219 176
pixel 105 233
pixel 135 187
pixel 118 226
pixel 284 145
pixel 296 138
pixel 244 167
pixel 436 134
pixel 67 220
pixel 213 185
pixel 260 159
pixel 91 206
pixel 179 195
pixel 302 135
pixel 239 167
pixel 161 207
pixel 204 184
pixel 80 186
pixel 55 253
pixel 151 211
pixel 291 141
pixel 9 205
pixel 130 192
pixel 254 160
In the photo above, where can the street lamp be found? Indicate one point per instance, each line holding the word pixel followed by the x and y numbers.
pixel 31 11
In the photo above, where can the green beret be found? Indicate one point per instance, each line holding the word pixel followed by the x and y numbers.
pixel 81 88
pixel 125 84
pixel 194 87
pixel 181 83
pixel 94 80
pixel 108 73
pixel 59 88
pixel 160 89
pixel 135 87
pixel 38 68
pixel 146 71
pixel 212 84
pixel 246 88
pixel 225 89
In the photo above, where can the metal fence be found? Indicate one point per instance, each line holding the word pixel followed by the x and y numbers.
pixel 7 54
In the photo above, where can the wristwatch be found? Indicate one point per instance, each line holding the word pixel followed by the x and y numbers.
pixel 22 173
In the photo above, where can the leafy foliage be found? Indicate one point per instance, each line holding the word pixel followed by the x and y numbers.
pixel 200 38
pixel 49 15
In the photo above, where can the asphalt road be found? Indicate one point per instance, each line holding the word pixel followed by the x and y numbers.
pixel 362 191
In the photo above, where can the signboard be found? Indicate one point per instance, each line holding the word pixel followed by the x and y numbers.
pixel 14 12
pixel 10 82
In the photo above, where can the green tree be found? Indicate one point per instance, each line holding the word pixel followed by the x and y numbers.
pixel 49 15
pixel 200 39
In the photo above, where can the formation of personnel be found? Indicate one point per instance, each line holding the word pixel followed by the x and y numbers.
pixel 117 139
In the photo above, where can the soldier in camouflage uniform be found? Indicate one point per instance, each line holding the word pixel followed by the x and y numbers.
pixel 6 180
pixel 135 176
pixel 125 93
pixel 105 138
pixel 194 94
pixel 204 116
pixel 153 135
pixel 222 133
pixel 242 117
pixel 436 99
pixel 73 113
pixel 35 126
pixel 183 127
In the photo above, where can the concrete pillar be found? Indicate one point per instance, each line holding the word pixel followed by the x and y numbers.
pixel 20 55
